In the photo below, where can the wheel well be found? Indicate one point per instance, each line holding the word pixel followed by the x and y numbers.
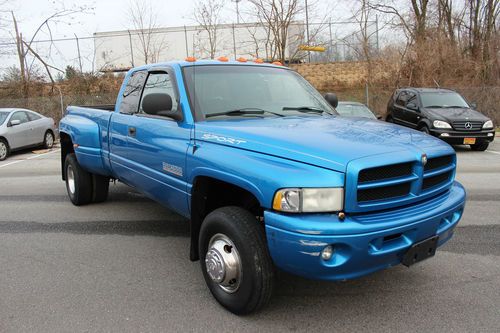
pixel 66 148
pixel 4 139
pixel 422 125
pixel 209 194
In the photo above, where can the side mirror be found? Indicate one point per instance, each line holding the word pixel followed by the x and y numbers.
pixel 412 106
pixel 160 104
pixel 332 99
pixel 15 122
pixel 473 105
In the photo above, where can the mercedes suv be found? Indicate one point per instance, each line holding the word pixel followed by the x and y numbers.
pixel 442 113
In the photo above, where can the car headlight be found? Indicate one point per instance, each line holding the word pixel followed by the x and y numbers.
pixel 488 124
pixel 441 124
pixel 309 200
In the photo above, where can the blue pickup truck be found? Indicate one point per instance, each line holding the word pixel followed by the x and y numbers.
pixel 267 174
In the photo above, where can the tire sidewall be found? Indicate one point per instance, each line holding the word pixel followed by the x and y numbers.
pixel 8 149
pixel 45 140
pixel 70 160
pixel 238 301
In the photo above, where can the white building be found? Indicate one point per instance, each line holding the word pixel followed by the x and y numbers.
pixel 121 50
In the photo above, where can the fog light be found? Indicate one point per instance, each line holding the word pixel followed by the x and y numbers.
pixel 327 253
pixel 445 134
pixel 490 134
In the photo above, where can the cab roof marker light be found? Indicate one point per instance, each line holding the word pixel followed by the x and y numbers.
pixel 190 59
pixel 223 59
pixel 258 61
pixel 241 59
pixel 277 63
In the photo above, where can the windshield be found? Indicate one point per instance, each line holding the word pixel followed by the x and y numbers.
pixel 3 116
pixel 251 91
pixel 443 100
pixel 354 110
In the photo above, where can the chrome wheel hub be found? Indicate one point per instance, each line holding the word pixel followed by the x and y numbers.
pixel 49 140
pixel 3 150
pixel 70 178
pixel 223 263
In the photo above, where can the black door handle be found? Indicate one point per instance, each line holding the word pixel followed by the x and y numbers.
pixel 132 131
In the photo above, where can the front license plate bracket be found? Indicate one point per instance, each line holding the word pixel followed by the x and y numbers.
pixel 420 251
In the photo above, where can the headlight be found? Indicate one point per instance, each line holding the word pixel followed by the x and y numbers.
pixel 440 124
pixel 309 200
pixel 488 124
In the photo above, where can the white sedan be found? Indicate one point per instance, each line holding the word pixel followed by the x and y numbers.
pixel 21 128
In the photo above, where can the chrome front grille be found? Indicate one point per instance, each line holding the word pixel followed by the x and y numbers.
pixel 403 182
pixel 467 125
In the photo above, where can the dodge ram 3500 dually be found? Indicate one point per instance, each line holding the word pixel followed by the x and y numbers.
pixel 267 174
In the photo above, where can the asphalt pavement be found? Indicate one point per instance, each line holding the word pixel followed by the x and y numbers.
pixel 122 266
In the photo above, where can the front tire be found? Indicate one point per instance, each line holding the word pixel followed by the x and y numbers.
pixel 78 182
pixel 425 129
pixel 235 260
pixel 480 146
pixel 4 150
pixel 48 140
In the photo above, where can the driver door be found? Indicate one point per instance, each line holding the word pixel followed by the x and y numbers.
pixel 20 135
pixel 157 147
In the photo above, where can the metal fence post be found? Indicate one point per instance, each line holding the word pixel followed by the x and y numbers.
pixel 367 94
pixel 234 42
pixel 330 49
pixel 186 40
pixel 131 48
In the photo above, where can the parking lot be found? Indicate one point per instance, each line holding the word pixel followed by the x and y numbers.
pixel 123 266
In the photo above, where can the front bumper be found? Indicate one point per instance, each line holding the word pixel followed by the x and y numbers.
pixel 457 137
pixel 362 243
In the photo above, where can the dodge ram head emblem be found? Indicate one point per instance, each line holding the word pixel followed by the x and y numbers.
pixel 424 159
pixel 468 125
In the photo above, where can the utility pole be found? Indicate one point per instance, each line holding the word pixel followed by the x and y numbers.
pixel 237 10
pixel 307 31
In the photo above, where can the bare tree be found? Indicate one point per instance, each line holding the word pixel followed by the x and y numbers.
pixel 207 14
pixel 25 48
pixel 145 22
pixel 277 16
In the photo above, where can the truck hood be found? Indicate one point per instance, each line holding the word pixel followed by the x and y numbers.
pixel 457 114
pixel 328 141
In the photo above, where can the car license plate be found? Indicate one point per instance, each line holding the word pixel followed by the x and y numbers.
pixel 469 141
pixel 420 251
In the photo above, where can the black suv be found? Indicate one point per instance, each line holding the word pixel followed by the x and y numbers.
pixel 443 113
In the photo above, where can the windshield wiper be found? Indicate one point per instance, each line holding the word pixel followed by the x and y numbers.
pixel 306 109
pixel 243 111
pixel 434 106
pixel 455 107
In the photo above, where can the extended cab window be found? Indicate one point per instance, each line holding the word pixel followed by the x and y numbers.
pixel 132 93
pixel 159 83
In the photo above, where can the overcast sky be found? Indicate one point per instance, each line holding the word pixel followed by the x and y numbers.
pixel 111 15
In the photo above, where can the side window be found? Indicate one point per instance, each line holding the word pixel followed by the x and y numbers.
pixel 159 83
pixel 33 116
pixel 411 98
pixel 401 100
pixel 21 116
pixel 132 93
